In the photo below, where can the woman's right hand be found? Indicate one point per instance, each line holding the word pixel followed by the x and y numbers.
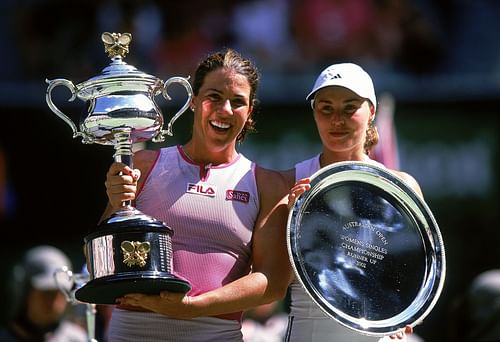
pixel 298 189
pixel 121 184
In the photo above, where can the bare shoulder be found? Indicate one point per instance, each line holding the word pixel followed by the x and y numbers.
pixel 410 180
pixel 289 176
pixel 271 183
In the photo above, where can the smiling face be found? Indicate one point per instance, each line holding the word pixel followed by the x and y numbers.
pixel 221 109
pixel 342 119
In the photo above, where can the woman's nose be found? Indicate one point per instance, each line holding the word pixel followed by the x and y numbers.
pixel 225 107
pixel 337 117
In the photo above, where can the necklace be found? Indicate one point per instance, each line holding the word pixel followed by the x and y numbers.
pixel 209 163
pixel 184 152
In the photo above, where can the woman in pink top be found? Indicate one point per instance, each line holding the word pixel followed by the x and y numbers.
pixel 228 215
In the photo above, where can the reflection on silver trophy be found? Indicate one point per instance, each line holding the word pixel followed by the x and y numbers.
pixel 130 251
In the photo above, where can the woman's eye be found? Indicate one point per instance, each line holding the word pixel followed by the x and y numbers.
pixel 214 97
pixel 349 109
pixel 238 103
pixel 326 109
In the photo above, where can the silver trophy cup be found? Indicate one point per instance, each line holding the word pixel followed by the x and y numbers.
pixel 130 251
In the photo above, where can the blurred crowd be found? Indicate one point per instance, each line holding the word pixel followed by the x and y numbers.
pixel 50 38
pixel 406 42
pixel 40 306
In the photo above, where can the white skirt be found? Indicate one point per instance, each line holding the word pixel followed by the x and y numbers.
pixel 308 323
pixel 132 326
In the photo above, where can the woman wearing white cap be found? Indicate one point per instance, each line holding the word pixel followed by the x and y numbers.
pixel 344 104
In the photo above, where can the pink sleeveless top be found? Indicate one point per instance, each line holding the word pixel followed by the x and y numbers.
pixel 212 210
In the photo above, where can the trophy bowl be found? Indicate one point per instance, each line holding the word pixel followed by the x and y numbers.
pixel 366 248
pixel 130 251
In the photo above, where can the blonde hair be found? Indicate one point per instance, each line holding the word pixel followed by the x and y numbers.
pixel 371 137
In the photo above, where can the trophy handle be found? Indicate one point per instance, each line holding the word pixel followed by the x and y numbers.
pixel 183 81
pixel 57 111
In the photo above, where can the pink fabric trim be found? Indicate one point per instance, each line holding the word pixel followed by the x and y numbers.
pixel 147 175
pixel 220 166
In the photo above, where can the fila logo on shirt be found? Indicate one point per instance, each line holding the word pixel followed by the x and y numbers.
pixel 202 189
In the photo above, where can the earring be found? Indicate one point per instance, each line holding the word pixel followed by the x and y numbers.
pixel 192 108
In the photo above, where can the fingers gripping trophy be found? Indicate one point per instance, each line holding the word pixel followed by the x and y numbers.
pixel 130 251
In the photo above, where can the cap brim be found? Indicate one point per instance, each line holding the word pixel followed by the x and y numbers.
pixel 338 84
pixel 333 82
pixel 48 282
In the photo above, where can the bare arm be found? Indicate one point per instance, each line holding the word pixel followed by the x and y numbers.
pixel 271 269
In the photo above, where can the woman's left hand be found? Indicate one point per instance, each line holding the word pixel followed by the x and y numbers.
pixel 301 186
pixel 171 304
pixel 398 336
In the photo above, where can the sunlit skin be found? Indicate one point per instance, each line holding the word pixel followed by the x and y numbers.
pixel 220 111
pixel 45 307
pixel 342 119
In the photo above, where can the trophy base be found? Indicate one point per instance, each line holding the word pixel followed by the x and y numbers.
pixel 106 290
pixel 130 252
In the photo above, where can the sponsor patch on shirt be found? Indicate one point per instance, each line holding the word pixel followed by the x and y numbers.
pixel 236 195
pixel 201 188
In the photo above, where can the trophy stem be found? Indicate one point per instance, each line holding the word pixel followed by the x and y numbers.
pixel 123 146
pixel 123 152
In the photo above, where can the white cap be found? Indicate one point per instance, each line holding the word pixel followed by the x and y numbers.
pixel 41 266
pixel 347 75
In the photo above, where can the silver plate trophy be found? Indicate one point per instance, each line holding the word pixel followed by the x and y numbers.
pixel 130 251
pixel 366 248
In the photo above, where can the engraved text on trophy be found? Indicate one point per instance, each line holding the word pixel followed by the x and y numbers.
pixel 364 252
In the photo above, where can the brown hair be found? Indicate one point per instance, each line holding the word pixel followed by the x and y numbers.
pixel 230 59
